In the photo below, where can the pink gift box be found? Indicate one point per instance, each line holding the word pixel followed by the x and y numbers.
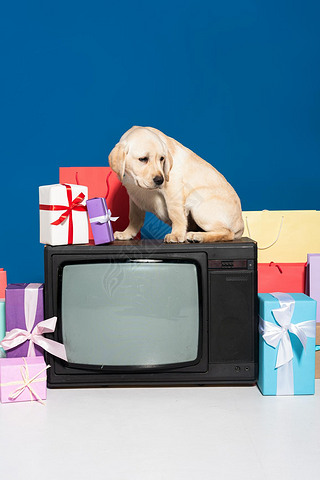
pixel 23 379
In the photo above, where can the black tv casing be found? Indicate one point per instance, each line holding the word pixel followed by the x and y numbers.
pixel 228 338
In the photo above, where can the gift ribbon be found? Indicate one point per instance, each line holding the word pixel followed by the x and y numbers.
pixel 26 383
pixel 278 336
pixel 17 336
pixel 104 218
pixel 72 205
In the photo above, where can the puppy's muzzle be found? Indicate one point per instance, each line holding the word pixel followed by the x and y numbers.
pixel 158 180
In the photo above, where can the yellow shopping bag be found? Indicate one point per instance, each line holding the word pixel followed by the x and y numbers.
pixel 284 236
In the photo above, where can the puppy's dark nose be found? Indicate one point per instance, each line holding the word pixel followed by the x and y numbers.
pixel 158 180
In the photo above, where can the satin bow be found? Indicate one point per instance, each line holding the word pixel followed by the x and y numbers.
pixel 275 335
pixel 278 335
pixel 104 218
pixel 17 336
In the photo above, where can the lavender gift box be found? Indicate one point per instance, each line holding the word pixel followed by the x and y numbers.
pixel 24 310
pixel 2 324
pixel 313 279
pixel 100 220
pixel 23 379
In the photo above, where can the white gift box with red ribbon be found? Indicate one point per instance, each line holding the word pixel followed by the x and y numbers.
pixel 63 214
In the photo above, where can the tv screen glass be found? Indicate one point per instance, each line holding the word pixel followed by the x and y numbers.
pixel 140 313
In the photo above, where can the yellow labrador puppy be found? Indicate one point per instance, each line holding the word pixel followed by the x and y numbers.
pixel 166 178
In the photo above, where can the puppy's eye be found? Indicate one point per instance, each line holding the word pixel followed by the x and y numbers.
pixel 144 159
pixel 161 159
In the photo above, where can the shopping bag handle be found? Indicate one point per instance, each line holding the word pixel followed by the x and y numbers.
pixel 271 264
pixel 271 244
pixel 107 182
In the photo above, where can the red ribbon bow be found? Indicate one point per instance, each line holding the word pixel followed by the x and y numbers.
pixel 73 205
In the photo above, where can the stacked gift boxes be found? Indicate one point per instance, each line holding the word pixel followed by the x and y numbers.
pixel 285 264
pixel 66 215
pixel 287 320
pixel 23 371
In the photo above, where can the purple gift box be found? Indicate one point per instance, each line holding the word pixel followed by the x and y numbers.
pixel 100 220
pixel 24 310
pixel 23 379
pixel 313 279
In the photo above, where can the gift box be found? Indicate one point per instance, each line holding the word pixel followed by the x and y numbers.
pixel 63 214
pixel 23 379
pixel 3 282
pixel 100 220
pixel 281 277
pixel 101 182
pixel 2 325
pixel 317 351
pixel 313 279
pixel 287 329
pixel 25 324
pixel 24 310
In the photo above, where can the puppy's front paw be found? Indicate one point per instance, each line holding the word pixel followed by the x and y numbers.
pixel 123 235
pixel 175 238
pixel 195 237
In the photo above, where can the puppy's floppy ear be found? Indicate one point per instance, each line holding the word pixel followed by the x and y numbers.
pixel 117 160
pixel 167 165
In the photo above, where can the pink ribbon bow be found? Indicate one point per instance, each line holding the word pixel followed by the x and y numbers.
pixel 17 336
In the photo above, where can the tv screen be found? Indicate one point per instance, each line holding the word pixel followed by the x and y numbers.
pixel 130 314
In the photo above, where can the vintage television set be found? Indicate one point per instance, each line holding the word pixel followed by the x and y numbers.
pixel 148 313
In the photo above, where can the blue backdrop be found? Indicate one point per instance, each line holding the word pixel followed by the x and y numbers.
pixel 237 82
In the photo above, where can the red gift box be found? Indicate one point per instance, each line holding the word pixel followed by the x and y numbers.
pixel 281 277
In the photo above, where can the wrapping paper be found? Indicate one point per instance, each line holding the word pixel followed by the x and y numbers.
pixel 286 344
pixel 100 219
pixel 25 324
pixel 2 325
pixel 318 350
pixel 16 312
pixel 23 379
pixel 63 215
pixel 313 279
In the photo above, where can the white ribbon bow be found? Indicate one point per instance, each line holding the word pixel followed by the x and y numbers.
pixel 104 218
pixel 275 335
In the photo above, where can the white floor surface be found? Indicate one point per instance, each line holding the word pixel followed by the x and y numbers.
pixel 162 433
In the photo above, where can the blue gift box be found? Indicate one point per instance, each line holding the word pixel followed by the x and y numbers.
pixel 287 328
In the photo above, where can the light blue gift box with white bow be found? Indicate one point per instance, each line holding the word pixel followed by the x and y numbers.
pixel 287 328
